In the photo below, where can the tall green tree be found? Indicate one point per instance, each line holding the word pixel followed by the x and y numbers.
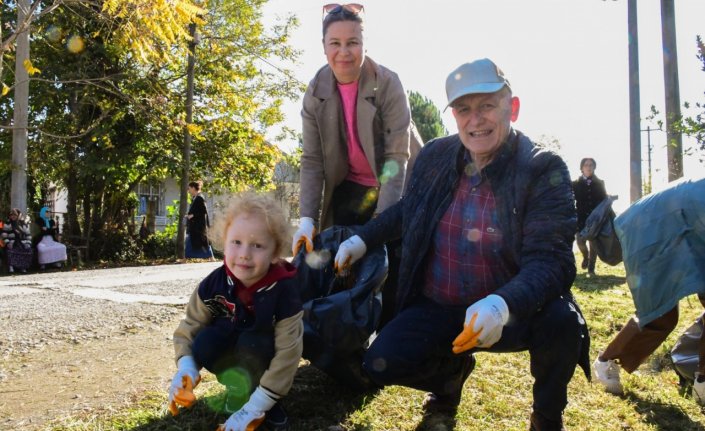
pixel 106 114
pixel 426 116
pixel 690 125
pixel 695 125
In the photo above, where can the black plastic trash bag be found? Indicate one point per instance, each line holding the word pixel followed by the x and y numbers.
pixel 340 313
pixel 684 353
pixel 599 228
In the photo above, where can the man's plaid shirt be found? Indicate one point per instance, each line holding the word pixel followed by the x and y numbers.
pixel 462 264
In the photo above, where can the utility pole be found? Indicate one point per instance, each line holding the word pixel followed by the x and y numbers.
pixel 649 149
pixel 18 192
pixel 186 155
pixel 674 143
pixel 634 104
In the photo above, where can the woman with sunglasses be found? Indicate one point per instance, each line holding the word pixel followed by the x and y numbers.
pixel 358 138
pixel 358 145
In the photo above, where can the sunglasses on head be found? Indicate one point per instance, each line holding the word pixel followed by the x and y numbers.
pixel 353 8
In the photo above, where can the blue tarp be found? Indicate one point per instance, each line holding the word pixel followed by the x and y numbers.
pixel 663 246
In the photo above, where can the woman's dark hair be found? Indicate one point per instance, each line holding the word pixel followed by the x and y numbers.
pixel 196 185
pixel 588 159
pixel 341 14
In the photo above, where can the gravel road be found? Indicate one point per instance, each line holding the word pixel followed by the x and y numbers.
pixel 71 339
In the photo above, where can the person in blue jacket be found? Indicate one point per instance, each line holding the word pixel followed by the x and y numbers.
pixel 663 244
pixel 487 229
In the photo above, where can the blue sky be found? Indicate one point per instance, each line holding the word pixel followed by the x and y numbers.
pixel 567 61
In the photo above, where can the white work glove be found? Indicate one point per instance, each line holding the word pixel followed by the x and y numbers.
pixel 183 383
pixel 251 415
pixel 484 321
pixel 349 252
pixel 303 235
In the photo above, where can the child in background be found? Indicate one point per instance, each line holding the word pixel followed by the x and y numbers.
pixel 244 321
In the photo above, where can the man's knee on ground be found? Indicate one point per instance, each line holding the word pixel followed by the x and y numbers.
pixel 377 367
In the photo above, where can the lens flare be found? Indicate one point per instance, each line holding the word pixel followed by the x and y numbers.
pixel 238 385
pixel 389 171
pixel 318 259
pixel 369 200
pixel 474 235
pixel 379 364
pixel 53 33
pixel 556 178
pixel 75 44
pixel 471 169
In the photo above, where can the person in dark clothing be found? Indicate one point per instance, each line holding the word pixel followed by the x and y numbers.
pixel 144 230
pixel 589 191
pixel 197 224
pixel 16 241
pixel 487 229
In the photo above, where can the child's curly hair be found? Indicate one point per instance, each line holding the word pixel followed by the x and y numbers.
pixel 262 206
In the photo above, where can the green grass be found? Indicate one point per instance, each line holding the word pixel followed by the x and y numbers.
pixel 496 397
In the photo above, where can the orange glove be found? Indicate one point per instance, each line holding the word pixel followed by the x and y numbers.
pixel 252 426
pixel 468 338
pixel 184 396
pixel 349 252
pixel 304 236
pixel 484 321
pixel 185 380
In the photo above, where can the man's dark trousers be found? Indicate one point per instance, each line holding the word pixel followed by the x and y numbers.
pixel 414 350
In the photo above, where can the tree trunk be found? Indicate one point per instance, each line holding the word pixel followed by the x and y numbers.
pixel 18 194
pixel 186 162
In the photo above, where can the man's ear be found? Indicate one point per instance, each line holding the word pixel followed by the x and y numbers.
pixel 515 108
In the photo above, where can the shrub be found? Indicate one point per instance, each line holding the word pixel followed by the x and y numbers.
pixel 119 246
pixel 160 245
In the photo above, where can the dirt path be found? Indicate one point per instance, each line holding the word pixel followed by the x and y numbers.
pixel 87 342
pixel 66 380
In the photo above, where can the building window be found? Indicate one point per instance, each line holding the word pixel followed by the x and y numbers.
pixel 147 193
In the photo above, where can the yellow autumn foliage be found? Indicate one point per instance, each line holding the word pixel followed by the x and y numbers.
pixel 29 67
pixel 151 28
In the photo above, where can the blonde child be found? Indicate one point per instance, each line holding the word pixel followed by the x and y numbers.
pixel 244 321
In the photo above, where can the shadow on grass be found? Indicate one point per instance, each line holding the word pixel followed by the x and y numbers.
pixel 318 402
pixel 436 422
pixel 597 283
pixel 666 417
pixel 315 402
pixel 205 415
pixel 198 418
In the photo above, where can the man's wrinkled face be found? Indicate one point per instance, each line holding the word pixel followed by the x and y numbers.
pixel 484 120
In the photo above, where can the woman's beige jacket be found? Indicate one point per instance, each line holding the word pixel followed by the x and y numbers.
pixel 384 127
